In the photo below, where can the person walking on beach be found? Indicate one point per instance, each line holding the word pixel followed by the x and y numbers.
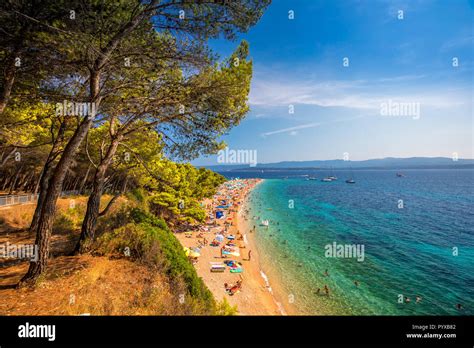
pixel 250 254
pixel 326 289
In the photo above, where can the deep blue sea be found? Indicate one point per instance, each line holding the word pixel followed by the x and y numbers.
pixel 417 232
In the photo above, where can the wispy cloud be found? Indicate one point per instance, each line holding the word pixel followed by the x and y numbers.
pixel 457 42
pixel 401 78
pixel 354 94
pixel 294 130
pixel 271 92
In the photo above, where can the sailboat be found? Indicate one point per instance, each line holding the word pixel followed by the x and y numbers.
pixel 351 180
pixel 332 176
pixel 327 179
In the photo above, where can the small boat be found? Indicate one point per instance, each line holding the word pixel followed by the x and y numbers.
pixel 400 175
pixel 311 178
pixel 326 179
pixel 332 176
pixel 351 180
pixel 265 223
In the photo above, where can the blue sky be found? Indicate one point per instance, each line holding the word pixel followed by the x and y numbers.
pixel 337 108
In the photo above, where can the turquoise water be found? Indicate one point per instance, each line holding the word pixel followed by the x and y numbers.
pixel 407 251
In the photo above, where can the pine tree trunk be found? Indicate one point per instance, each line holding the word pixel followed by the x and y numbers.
pixel 89 223
pixel 13 184
pixel 92 213
pixel 43 189
pixel 45 177
pixel 8 80
pixel 81 190
pixel 48 209
pixel 46 218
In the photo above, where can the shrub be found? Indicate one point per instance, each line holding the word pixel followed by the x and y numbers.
pixel 224 308
pixel 63 224
pixel 151 242
pixel 140 216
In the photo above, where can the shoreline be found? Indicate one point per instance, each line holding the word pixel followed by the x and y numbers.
pixel 272 284
pixel 256 296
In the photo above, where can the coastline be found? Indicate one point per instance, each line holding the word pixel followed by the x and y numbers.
pixel 256 296
pixel 272 285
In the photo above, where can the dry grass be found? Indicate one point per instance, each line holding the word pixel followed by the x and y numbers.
pixel 94 285
pixel 19 216
pixel 74 285
pixel 15 220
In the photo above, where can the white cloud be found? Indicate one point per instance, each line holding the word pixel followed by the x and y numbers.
pixel 293 130
pixel 356 94
pixel 457 42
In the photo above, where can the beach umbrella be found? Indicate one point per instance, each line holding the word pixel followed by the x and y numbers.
pixel 187 251
pixel 219 237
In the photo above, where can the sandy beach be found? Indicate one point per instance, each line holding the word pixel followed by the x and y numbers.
pixel 254 296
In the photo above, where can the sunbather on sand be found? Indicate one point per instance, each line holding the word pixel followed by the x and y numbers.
pixel 233 289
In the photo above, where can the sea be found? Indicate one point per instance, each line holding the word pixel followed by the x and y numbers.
pixel 404 245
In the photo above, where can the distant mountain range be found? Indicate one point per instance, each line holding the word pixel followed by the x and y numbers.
pixel 382 163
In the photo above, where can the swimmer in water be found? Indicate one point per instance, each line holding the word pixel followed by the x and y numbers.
pixel 356 283
pixel 418 299
pixel 407 300
pixel 326 273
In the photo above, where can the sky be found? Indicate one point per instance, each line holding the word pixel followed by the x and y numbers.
pixel 344 68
